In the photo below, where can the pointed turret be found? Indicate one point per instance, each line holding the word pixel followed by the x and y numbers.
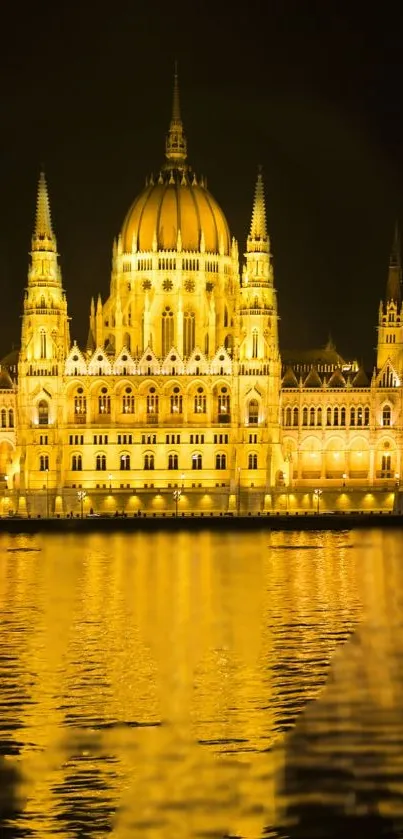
pixel 176 146
pixel 393 285
pixel 258 239
pixel 43 238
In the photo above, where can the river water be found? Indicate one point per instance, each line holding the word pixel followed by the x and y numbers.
pixel 171 686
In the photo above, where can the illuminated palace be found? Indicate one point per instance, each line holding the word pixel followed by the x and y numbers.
pixel 181 399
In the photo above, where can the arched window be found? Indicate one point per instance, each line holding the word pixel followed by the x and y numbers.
pixel 220 461
pixel 76 463
pixel 352 416
pixel 312 416
pixel 104 401
pixel 255 343
pixel 386 464
pixel 252 461
pixel 343 416
pixel 124 462
pixel 196 461
pixel 3 418
pixel 295 417
pixel 253 412
pixel 148 461
pixel 42 336
pixel 288 416
pixel 225 316
pixel 229 344
pixel 176 401
pixel 319 416
pixel 173 461
pixel 386 415
pixel 128 401
pixel 80 402
pixel 43 412
pixel 200 401
pixel 366 416
pixel 359 416
pixel 100 463
pixel 152 403
pixel 189 332
pixel 329 416
pixel 44 463
pixel 167 332
pixel 305 416
pixel 224 403
pixel 336 416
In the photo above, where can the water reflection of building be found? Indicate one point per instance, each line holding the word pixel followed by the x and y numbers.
pixel 158 669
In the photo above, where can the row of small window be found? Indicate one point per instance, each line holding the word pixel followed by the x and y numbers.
pixel 334 416
pixel 7 418
pixel 148 462
pixel 146 439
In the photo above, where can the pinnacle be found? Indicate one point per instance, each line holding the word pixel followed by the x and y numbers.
pixel 175 146
pixel 44 238
pixel 258 229
pixel 393 285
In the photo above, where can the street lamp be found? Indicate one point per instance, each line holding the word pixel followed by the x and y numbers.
pixel 317 493
pixel 239 491
pixel 177 494
pixel 81 495
pixel 344 478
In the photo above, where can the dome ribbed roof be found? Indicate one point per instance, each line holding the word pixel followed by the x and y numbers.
pixel 175 203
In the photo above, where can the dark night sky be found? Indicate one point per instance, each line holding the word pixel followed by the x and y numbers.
pixel 311 91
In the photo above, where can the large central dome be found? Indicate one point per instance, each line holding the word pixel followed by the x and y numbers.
pixel 176 203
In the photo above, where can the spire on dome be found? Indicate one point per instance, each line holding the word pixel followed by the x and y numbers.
pixel 43 238
pixel 175 145
pixel 258 239
pixel 393 285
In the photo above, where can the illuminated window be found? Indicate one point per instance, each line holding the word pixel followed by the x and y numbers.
pixel 189 332
pixel 359 416
pixel 295 417
pixel 3 418
pixel 287 416
pixel 200 401
pixel 312 416
pixel 252 461
pixel 76 463
pixel 224 402
pixel 44 463
pixel 152 403
pixel 104 402
pixel 305 416
pixel 100 463
pixel 336 416
pixel 43 344
pixel 148 461
pixel 342 416
pixel 352 416
pixel 196 461
pixel 80 402
pixel 176 401
pixel 220 461
pixel 43 412
pixel 366 416
pixel 128 401
pixel 319 416
pixel 386 415
pixel 167 330
pixel 173 461
pixel 329 416
pixel 253 412
pixel 386 463
pixel 255 344
pixel 124 462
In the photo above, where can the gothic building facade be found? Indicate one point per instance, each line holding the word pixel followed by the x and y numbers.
pixel 181 398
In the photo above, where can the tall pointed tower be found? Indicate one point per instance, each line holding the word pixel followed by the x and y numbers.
pixel 259 357
pixel 45 331
pixel 390 325
pixel 44 346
